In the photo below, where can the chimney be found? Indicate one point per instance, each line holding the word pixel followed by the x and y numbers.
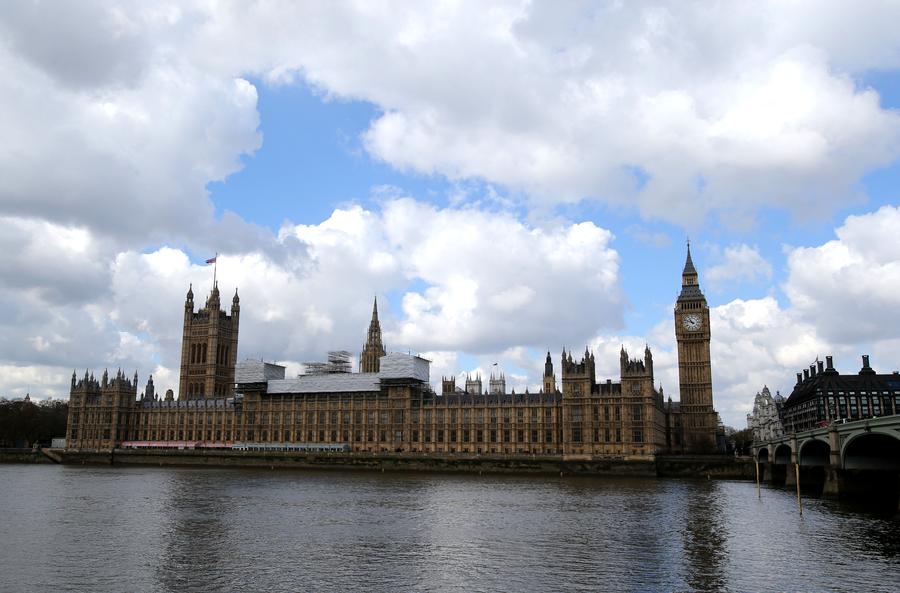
pixel 812 370
pixel 866 369
pixel 799 378
pixel 805 374
pixel 821 367
pixel 829 361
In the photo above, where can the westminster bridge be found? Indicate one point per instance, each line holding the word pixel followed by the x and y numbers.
pixel 861 456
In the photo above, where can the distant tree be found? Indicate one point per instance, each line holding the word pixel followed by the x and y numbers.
pixel 743 441
pixel 23 423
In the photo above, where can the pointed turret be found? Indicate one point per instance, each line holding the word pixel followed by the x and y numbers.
pixel 549 385
pixel 689 263
pixel 235 305
pixel 213 301
pixel 150 390
pixel 373 349
pixel 690 285
pixel 189 300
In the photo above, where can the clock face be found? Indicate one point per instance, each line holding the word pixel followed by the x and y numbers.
pixel 691 322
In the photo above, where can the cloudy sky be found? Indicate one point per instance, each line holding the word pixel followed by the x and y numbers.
pixel 506 178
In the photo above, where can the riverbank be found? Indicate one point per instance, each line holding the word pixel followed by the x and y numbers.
pixel 21 455
pixel 719 467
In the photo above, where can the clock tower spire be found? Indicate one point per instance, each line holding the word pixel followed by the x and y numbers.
pixel 692 333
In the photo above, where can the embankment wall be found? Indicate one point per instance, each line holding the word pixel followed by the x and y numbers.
pixel 8 455
pixel 668 466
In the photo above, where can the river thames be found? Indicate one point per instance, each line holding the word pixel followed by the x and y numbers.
pixel 113 529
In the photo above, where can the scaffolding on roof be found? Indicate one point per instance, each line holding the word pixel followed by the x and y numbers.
pixel 339 361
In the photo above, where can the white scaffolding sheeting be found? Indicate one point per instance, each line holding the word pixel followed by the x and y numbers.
pixel 257 371
pixel 327 383
pixel 403 366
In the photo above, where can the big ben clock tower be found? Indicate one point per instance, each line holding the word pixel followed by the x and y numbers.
pixel 694 370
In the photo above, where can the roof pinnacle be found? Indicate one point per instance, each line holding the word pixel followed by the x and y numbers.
pixel 689 263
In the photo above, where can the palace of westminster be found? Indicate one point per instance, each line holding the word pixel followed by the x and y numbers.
pixel 390 406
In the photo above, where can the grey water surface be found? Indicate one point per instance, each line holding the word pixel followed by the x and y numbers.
pixel 98 529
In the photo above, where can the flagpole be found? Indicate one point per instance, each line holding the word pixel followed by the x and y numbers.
pixel 215 267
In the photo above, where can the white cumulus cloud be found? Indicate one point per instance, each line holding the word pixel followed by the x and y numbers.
pixel 740 263
pixel 850 286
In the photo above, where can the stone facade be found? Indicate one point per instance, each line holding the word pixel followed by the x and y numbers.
pixel 209 346
pixel 765 420
pixel 692 332
pixel 389 406
pixel 101 411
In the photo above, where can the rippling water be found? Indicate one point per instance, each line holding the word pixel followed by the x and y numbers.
pixel 159 529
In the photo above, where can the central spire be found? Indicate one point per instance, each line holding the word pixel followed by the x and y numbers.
pixel 373 350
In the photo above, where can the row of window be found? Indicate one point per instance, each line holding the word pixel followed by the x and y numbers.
pixel 263 419
pixel 813 412
pixel 427 436
pixel 197 353
pixel 198 388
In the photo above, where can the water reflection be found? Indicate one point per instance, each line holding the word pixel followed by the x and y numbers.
pixel 195 534
pixel 705 545
pixel 155 530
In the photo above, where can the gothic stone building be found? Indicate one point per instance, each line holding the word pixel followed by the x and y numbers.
pixel 765 420
pixel 209 347
pixel 389 406
pixel 699 419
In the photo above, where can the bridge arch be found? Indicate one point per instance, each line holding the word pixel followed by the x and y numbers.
pixel 762 455
pixel 782 454
pixel 814 453
pixel 875 449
